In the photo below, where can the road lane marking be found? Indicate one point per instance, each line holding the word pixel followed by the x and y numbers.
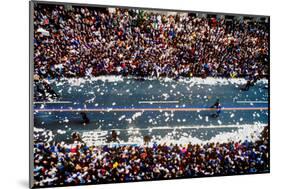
pixel 148 109
pixel 53 102
pixel 253 102
pixel 183 127
pixel 159 102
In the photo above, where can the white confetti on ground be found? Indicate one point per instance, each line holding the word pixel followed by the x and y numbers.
pixel 207 118
pixel 59 131
pixel 65 120
pixel 136 115
pixel 122 117
pixel 166 96
pixel 129 120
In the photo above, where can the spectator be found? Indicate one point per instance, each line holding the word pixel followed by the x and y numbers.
pixel 76 163
pixel 81 42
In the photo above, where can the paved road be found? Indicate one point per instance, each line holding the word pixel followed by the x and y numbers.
pixel 152 107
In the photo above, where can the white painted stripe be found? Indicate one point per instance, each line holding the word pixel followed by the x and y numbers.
pixel 186 127
pixel 159 102
pixel 53 102
pixel 254 102
pixel 146 109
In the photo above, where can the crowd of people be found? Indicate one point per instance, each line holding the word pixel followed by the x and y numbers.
pixel 58 164
pixel 80 42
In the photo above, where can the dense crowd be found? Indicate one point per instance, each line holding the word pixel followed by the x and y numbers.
pixel 77 163
pixel 79 42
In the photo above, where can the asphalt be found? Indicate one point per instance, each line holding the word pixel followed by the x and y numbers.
pixel 158 108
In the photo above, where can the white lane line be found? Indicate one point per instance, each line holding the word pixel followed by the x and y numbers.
pixel 54 102
pixel 146 109
pixel 187 127
pixel 159 102
pixel 254 102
